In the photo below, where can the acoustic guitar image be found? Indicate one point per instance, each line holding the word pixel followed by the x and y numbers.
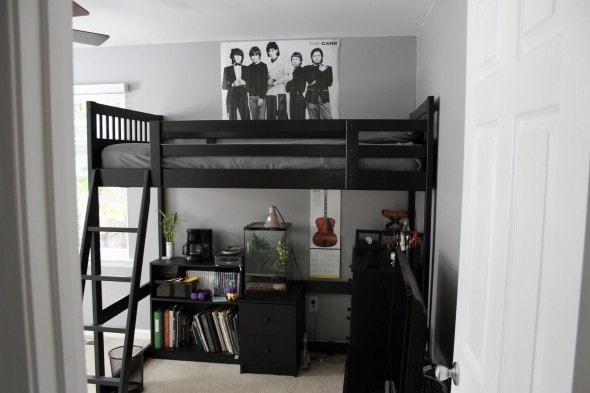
pixel 325 237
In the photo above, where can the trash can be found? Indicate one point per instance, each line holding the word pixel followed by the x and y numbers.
pixel 136 378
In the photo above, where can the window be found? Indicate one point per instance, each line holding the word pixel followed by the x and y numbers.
pixel 113 200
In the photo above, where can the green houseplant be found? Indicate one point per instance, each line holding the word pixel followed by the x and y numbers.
pixel 269 259
pixel 168 222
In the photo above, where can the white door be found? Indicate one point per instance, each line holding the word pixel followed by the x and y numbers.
pixel 525 195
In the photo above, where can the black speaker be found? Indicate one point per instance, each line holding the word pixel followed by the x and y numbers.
pixel 367 365
pixel 370 308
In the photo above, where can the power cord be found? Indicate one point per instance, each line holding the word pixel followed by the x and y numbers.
pixel 277 209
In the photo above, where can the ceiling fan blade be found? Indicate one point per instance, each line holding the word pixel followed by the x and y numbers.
pixel 78 10
pixel 88 38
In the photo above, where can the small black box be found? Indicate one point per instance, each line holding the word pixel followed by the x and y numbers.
pixel 176 289
pixel 229 260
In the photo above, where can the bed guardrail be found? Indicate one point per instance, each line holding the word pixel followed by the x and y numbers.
pixel 108 125
pixel 349 132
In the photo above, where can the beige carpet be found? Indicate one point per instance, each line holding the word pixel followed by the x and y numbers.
pixel 326 375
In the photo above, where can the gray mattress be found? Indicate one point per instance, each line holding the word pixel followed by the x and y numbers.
pixel 137 155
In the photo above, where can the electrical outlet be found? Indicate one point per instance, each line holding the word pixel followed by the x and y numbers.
pixel 313 304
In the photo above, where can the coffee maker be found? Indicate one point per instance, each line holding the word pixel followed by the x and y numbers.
pixel 199 245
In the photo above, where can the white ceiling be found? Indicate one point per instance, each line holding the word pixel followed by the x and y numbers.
pixel 136 22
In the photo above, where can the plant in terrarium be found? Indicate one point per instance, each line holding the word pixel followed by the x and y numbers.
pixel 270 260
pixel 282 256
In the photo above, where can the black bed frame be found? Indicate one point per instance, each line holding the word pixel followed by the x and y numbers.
pixel 108 125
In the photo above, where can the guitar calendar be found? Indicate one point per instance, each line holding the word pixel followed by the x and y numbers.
pixel 324 253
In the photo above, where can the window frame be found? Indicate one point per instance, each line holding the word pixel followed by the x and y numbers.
pixel 115 199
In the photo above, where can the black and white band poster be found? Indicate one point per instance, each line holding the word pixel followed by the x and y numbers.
pixel 280 79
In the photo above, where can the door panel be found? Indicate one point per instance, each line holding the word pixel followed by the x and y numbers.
pixel 539 22
pixel 534 133
pixel 516 273
pixel 480 285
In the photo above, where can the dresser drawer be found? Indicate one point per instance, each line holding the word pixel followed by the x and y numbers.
pixel 267 351
pixel 268 319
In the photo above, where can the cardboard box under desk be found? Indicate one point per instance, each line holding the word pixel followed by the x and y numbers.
pixel 176 289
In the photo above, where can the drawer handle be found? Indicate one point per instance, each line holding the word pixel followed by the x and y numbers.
pixel 266 319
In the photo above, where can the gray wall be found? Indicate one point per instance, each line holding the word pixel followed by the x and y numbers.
pixel 182 81
pixel 441 72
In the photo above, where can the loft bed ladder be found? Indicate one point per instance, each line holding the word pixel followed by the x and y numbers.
pixel 90 250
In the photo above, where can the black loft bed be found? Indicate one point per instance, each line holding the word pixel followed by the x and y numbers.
pixel 393 154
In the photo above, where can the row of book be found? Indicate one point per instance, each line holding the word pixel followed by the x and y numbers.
pixel 214 329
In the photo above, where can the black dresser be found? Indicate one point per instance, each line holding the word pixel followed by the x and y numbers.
pixel 271 332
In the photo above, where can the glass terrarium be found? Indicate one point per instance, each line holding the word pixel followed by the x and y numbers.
pixel 266 256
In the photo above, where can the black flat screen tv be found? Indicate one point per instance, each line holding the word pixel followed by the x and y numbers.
pixel 407 331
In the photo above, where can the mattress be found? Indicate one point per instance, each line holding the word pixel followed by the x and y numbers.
pixel 137 155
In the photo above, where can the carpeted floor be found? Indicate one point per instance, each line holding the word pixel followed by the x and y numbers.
pixel 325 375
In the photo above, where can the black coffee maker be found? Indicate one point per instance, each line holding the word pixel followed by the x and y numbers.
pixel 199 245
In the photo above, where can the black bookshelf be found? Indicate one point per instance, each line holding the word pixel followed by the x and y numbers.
pixel 166 294
pixel 271 325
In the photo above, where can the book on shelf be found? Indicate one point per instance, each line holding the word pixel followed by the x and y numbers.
pixel 207 331
pixel 189 336
pixel 200 333
pixel 239 284
pixel 172 314
pixel 227 330
pixel 184 337
pixel 166 329
pixel 215 316
pixel 180 329
pixel 232 321
pixel 213 330
pixel 195 336
pixel 221 315
pixel 158 327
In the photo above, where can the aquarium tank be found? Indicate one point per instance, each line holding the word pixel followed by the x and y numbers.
pixel 266 255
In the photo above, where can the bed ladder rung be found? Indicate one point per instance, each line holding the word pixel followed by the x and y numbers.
pixel 102 381
pixel 91 277
pixel 112 381
pixel 112 229
pixel 105 329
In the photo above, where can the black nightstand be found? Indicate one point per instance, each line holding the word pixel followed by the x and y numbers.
pixel 271 332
